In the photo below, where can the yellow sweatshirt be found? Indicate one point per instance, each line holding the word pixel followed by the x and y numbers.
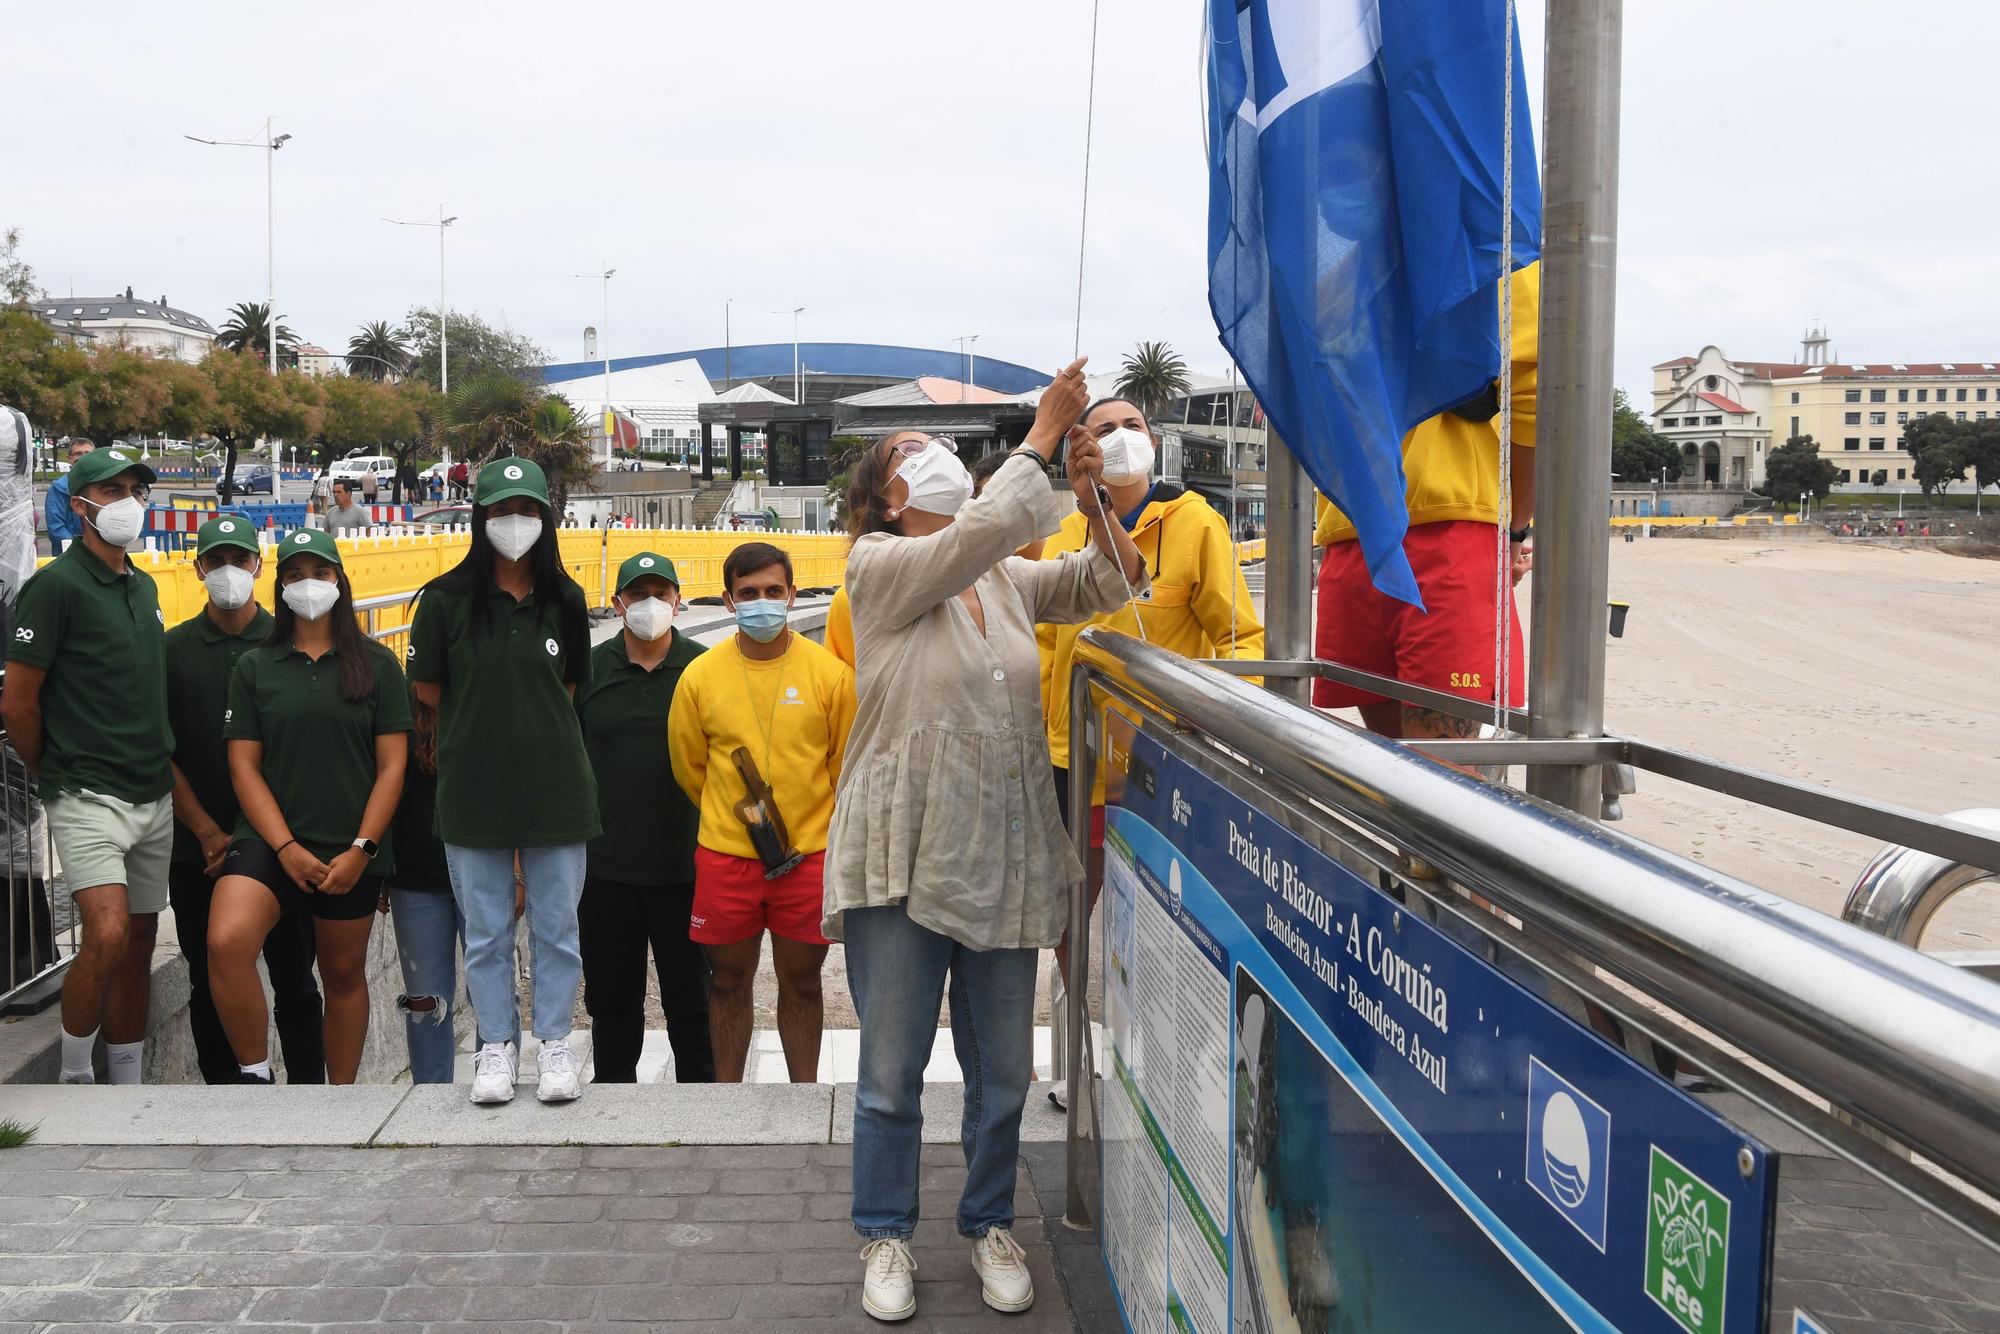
pixel 840 627
pixel 1187 550
pixel 791 713
pixel 1451 466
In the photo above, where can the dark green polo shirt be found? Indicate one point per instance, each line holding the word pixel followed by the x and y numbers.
pixel 649 824
pixel 319 749
pixel 101 637
pixel 201 655
pixel 512 772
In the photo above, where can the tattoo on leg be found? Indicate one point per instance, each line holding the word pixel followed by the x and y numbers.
pixel 1434 724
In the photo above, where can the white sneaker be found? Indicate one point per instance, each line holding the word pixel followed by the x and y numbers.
pixel 1004 1280
pixel 561 1081
pixel 888 1284
pixel 1059 1095
pixel 493 1067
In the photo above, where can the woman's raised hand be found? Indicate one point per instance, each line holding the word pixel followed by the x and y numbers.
pixel 1062 403
pixel 1084 462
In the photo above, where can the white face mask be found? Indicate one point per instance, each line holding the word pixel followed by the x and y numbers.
pixel 1128 456
pixel 514 535
pixel 229 586
pixel 120 522
pixel 938 482
pixel 311 599
pixel 649 618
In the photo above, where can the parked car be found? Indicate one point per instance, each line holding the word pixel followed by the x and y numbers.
pixel 360 465
pixel 252 478
pixel 446 519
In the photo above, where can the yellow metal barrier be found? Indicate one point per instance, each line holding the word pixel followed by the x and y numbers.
pixel 1693 521
pixel 1249 552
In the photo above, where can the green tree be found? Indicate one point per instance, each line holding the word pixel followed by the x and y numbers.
pixel 1880 477
pixel 41 374
pixel 1936 446
pixel 1979 447
pixel 558 441
pixel 501 414
pixel 477 349
pixel 378 352
pixel 248 329
pixel 1638 452
pixel 1153 377
pixel 371 417
pixel 843 452
pixel 1795 468
pixel 17 279
pixel 251 404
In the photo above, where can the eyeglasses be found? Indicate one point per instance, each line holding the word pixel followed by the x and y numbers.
pixel 914 447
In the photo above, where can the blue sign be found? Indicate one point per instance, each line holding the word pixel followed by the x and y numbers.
pixel 1569 1150
pixel 1320 1107
pixel 1803 1323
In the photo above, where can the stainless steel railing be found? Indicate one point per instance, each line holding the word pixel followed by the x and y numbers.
pixel 1899 1041
pixel 38 933
pixel 1903 888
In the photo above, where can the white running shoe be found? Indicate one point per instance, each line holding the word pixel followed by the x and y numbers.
pixel 493 1067
pixel 1004 1280
pixel 1059 1095
pixel 561 1081
pixel 888 1283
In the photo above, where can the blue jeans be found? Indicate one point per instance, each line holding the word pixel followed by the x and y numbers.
pixel 897 971
pixel 482 880
pixel 428 930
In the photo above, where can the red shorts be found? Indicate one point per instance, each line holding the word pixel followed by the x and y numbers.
pixel 1448 647
pixel 733 901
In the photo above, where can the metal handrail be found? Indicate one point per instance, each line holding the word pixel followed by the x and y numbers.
pixel 1902 888
pixel 1904 1042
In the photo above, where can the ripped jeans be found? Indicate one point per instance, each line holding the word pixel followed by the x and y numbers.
pixel 428 931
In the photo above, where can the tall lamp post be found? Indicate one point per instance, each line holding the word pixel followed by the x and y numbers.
pixel 444 311
pixel 604 349
pixel 968 352
pixel 797 395
pixel 270 146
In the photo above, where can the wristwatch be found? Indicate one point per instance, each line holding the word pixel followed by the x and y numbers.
pixel 1519 535
pixel 368 846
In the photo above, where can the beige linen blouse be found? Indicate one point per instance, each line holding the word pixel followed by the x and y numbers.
pixel 946 800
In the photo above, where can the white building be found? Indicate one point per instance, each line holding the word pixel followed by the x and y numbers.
pixel 319 363
pixel 665 400
pixel 152 326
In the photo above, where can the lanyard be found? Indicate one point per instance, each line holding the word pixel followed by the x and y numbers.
pixel 770 723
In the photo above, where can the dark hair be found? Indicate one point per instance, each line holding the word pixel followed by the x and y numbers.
pixel 1117 398
pixel 346 482
pixel 473 576
pixel 753 556
pixel 356 650
pixel 867 509
pixel 423 735
pixel 982 471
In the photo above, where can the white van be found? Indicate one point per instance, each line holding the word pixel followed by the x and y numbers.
pixel 360 465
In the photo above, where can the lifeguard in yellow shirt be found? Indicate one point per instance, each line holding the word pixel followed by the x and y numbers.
pixel 757 731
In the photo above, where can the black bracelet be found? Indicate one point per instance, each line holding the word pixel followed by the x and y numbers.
pixel 1519 535
pixel 287 844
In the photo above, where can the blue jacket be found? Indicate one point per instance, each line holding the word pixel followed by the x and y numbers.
pixel 63 523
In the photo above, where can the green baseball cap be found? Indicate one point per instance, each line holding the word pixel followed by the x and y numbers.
pixel 643 564
pixel 309 540
pixel 101 464
pixel 503 479
pixel 226 531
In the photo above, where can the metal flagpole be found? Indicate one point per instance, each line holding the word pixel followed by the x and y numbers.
pixel 1573 399
pixel 1288 583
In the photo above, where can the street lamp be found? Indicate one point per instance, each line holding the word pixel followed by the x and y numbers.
pixel 797 395
pixel 604 347
pixel 968 351
pixel 444 313
pixel 270 147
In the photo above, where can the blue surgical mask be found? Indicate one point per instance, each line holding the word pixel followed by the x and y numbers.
pixel 762 619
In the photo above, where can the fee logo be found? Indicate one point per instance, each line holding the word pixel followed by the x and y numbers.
pixel 1569 1151
pixel 1687 1245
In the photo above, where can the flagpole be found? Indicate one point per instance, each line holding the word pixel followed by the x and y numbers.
pixel 1573 453
pixel 1288 574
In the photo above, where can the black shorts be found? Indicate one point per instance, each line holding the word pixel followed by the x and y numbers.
pixel 253 858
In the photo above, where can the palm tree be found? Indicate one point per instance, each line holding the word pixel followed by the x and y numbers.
pixel 499 414
pixel 248 329
pixel 378 352
pixel 1153 377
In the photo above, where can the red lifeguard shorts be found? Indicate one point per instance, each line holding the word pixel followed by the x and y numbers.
pixel 1448 646
pixel 733 901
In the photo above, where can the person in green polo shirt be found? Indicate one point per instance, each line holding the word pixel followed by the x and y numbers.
pixel 202 652
pixel 318 729
pixel 640 888
pixel 86 708
pixel 498 647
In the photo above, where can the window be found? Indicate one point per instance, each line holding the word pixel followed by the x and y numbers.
pixel 1902 419
pixel 1711 421
pixel 1959 415
pixel 1670 421
pixel 1795 428
pixel 1901 473
pixel 1853 419
pixel 1982 395
pixel 1851 442
pixel 1961 396
pixel 1979 416
pixel 1878 418
pixel 1923 395
pixel 1709 384
pixel 1795 396
pixel 1902 395
pixel 1875 442
pixel 1846 476
pixel 1878 396
pixel 1854 395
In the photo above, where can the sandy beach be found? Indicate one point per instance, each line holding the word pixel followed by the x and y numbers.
pixel 1862 668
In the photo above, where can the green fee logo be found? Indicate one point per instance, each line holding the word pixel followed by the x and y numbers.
pixel 1687 1246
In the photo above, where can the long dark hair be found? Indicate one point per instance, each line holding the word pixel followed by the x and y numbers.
pixel 355 650
pixel 473 576
pixel 867 509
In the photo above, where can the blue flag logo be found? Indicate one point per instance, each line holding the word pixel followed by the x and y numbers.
pixel 1355 156
pixel 1569 1151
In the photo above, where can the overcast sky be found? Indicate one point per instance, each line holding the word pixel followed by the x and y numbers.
pixel 909 171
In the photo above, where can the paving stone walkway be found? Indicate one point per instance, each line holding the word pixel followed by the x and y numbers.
pixel 515 1238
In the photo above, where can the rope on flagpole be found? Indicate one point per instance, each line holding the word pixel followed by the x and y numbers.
pixel 1503 600
pixel 1083 219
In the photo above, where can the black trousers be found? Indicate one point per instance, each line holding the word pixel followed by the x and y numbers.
pixel 615 923
pixel 288 954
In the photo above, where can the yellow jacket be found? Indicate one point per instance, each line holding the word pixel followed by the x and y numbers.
pixel 1451 466
pixel 1199 607
pixel 839 630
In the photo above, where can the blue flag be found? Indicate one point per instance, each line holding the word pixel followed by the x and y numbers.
pixel 1355 152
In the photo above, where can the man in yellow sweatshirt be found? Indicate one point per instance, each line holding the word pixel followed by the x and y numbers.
pixel 1451 469
pixel 773 706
